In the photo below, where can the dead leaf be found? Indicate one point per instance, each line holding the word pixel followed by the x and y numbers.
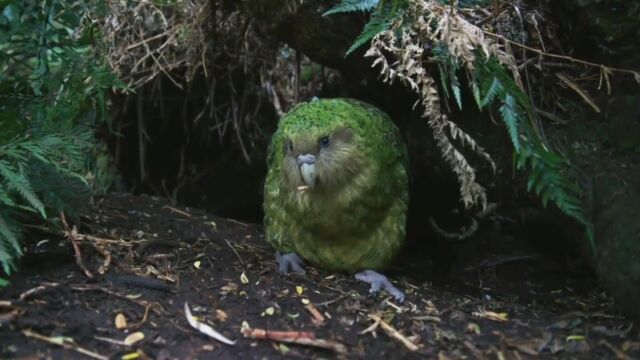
pixel 243 278
pixel 121 321
pixel 473 328
pixel 221 315
pixel 130 356
pixel 269 311
pixel 134 338
pixel 490 315
pixel 576 338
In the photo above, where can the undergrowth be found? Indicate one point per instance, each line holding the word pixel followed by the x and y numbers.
pixel 413 40
pixel 52 94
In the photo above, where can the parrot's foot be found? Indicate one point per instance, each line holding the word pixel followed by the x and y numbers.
pixel 289 262
pixel 380 282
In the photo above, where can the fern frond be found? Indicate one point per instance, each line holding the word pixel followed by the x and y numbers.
pixel 60 192
pixel 9 235
pixel 455 87
pixel 490 94
pixel 16 180
pixel 380 21
pixel 511 118
pixel 351 6
pixel 443 80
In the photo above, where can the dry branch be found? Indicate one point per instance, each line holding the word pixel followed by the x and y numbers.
pixel 393 333
pixel 306 338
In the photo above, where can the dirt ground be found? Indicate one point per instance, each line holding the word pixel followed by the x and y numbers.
pixel 159 257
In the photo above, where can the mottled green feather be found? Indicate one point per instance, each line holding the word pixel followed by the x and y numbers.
pixel 355 218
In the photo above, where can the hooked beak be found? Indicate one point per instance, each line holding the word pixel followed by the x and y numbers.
pixel 307 164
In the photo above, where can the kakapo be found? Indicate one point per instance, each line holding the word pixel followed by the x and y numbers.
pixel 337 190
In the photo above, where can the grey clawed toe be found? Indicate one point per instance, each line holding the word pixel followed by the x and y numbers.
pixel 380 282
pixel 289 262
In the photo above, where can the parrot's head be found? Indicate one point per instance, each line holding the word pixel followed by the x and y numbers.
pixel 320 152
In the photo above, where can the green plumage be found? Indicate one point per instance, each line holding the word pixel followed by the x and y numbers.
pixel 354 217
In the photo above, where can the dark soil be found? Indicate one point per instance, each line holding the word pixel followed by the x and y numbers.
pixel 511 308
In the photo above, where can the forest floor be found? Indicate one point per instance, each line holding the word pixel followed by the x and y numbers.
pixel 160 258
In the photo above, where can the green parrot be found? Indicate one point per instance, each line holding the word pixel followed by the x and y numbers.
pixel 337 190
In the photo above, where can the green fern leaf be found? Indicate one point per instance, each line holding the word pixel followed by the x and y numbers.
pixel 511 118
pixel 379 22
pixel 9 235
pixel 455 87
pixel 443 80
pixel 16 181
pixel 476 94
pixel 351 6
pixel 491 93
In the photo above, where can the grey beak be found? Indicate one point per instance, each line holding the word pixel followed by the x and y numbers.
pixel 307 164
pixel 308 159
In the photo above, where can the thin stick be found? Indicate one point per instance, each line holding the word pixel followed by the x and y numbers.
pixel 580 92
pixel 234 251
pixel 236 222
pixel 177 211
pixel 316 316
pixel 142 303
pixel 37 290
pixel 144 318
pixel 306 338
pixel 563 57
pixel 76 249
pixel 65 343
pixel 111 341
pixel 392 332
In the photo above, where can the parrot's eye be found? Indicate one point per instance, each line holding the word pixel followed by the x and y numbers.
pixel 324 142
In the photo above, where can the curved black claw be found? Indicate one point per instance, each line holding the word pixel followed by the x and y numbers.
pixel 380 282
pixel 289 262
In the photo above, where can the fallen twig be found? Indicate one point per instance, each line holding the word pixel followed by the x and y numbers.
pixel 111 341
pixel 142 303
pixel 144 319
pixel 430 318
pixel 234 251
pixel 237 222
pixel 392 332
pixel 65 342
pixel 372 329
pixel 177 211
pixel 579 91
pixel 204 328
pixel 37 290
pixel 491 315
pixel 329 302
pixel 316 316
pixel 10 316
pixel 72 236
pixel 306 338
